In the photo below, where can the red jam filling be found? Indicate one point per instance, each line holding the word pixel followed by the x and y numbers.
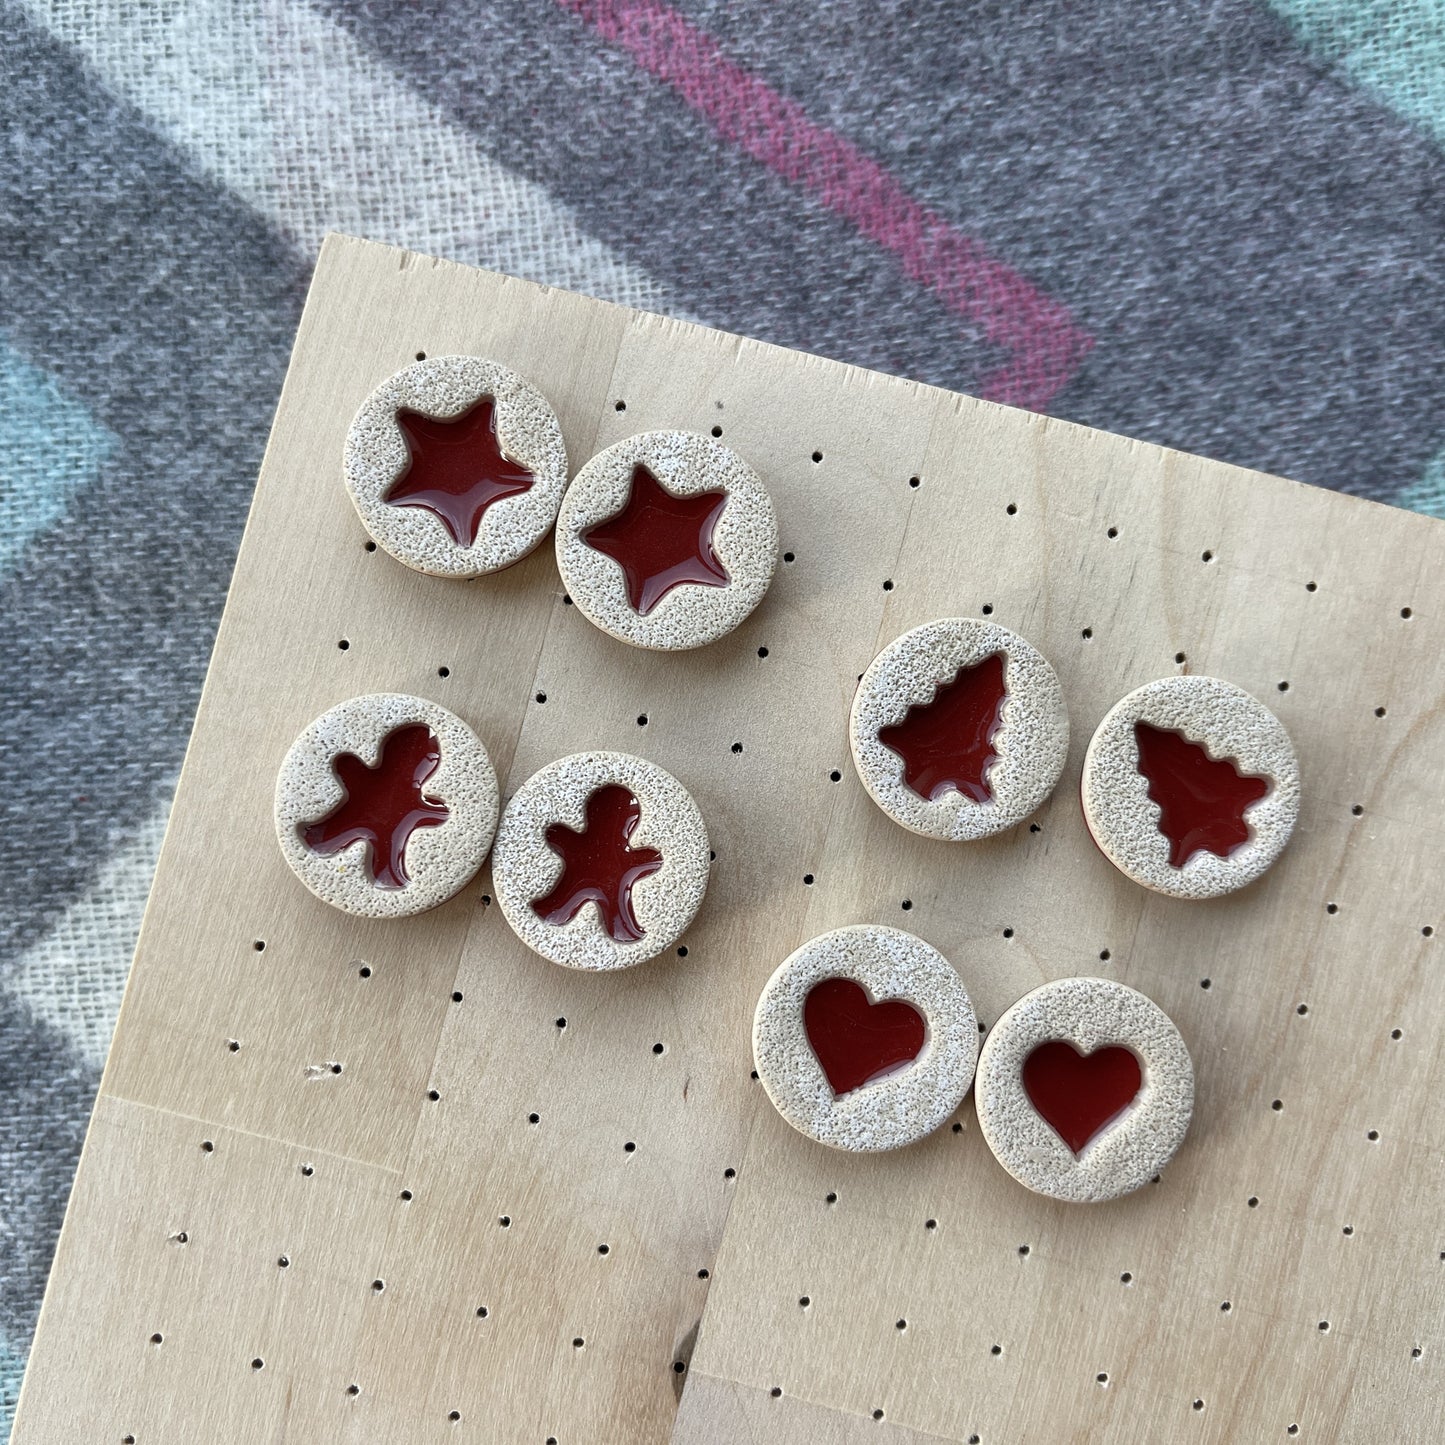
pixel 599 865
pixel 661 541
pixel 383 805
pixel 1201 801
pixel 456 468
pixel 947 743
pixel 857 1041
pixel 1080 1095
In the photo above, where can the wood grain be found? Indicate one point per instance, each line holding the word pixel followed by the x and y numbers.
pixel 1011 518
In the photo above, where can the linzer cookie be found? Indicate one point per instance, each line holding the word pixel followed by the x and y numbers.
pixel 959 729
pixel 865 1039
pixel 1191 786
pixel 456 465
pixel 667 540
pixel 386 805
pixel 1085 1090
pixel 601 861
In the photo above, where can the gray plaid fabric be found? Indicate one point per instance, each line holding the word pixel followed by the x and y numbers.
pixel 1216 226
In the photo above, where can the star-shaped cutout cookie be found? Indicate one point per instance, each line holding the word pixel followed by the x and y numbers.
pixel 456 468
pixel 661 541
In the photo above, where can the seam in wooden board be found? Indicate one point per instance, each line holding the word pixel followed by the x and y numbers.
pixel 893 1428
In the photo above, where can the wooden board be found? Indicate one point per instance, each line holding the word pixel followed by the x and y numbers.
pixel 399 1216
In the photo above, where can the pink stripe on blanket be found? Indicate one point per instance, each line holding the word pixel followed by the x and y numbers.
pixel 1045 346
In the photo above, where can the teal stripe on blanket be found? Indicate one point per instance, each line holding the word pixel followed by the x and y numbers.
pixel 1395 48
pixel 50 449
pixel 1428 494
pixel 12 1369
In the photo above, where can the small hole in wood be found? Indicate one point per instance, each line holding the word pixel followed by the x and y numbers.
pixel 807 880
pixel 1253 1201
pixel 406 1196
pixel 1396 1034
pixel 370 546
pixel 1311 587
pixel 344 645
pixel 1206 984
pixel 482 1312
pixel 377 1285
pixel 987 609
pixel 1324 1327
pixel 454 1416
pixel 157 1339
pixel 900 1324
pixel 704 1274
pixel 804 1302
pixel 1303 1009
pixel 1379 712
pixel 353 1389
pixel 1008 933
pixel 578 1342
pixel 1225 1307
pixel 336 1068
pixel 1357 809
pixel 835 776
pixel 619 406
pixel 1283 686
pixel 1416 1352
pixel 364 971
pixel 682 950
pixel 566 600
pixel 1332 908
pixel 1277 1105
pixel 776 1392
pixel 1034 828
pixel 1023 1251
pixel 259 945
pixel 1427 932
pixel 930 1224
pixel 730 1173
pixel 421 356
pixel 958 1128
pixel 1373 1135
pixel 878 1414
pixel 505 1222
pixel 915 482
pixel 888 584
pixel 604 1249
pixel 762 652
pixel 995 1349
pixel 1112 533
pixel 1199 1404
pixel 457 995
pixel 717 431
pixel 817 456
pixel 642 719
pixel 629 1147
pixel 659 1048
pixel 284 1262
pixel 737 747
pixel 830 1198
pixel 1012 509
pixel 1180 657
pixel 561 1023
pixel 207 1147
pixel 433 1095
pixel 1206 557
pixel 1087 633
pixel 258 1363
pixel 233 1045
pixel 444 672
pixel 308 1170
pixel 1102 1377
pixel 906 905
pixel 1126 1278
pixel 789 557
pixel 534 1118
pixel 1292 1430
pixel 1406 613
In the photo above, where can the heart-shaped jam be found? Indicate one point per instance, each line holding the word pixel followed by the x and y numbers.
pixel 1079 1095
pixel 856 1040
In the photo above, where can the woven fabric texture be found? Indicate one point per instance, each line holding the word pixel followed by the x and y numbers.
pixel 1212 224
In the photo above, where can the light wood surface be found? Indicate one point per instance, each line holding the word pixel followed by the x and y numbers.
pixel 410 1191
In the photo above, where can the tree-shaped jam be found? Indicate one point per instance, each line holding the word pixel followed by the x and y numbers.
pixel 456 468
pixel 857 1041
pixel 661 541
pixel 599 864
pixel 1080 1095
pixel 1202 800
pixel 382 806
pixel 947 743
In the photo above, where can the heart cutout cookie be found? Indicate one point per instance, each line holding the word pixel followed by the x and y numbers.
pixel 857 1041
pixel 1079 1095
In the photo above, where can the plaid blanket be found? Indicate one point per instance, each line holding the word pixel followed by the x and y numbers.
pixel 1214 224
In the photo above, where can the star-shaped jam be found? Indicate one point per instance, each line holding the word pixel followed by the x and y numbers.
pixel 456 468
pixel 1202 801
pixel 383 805
pixel 661 541
pixel 599 865
pixel 947 743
